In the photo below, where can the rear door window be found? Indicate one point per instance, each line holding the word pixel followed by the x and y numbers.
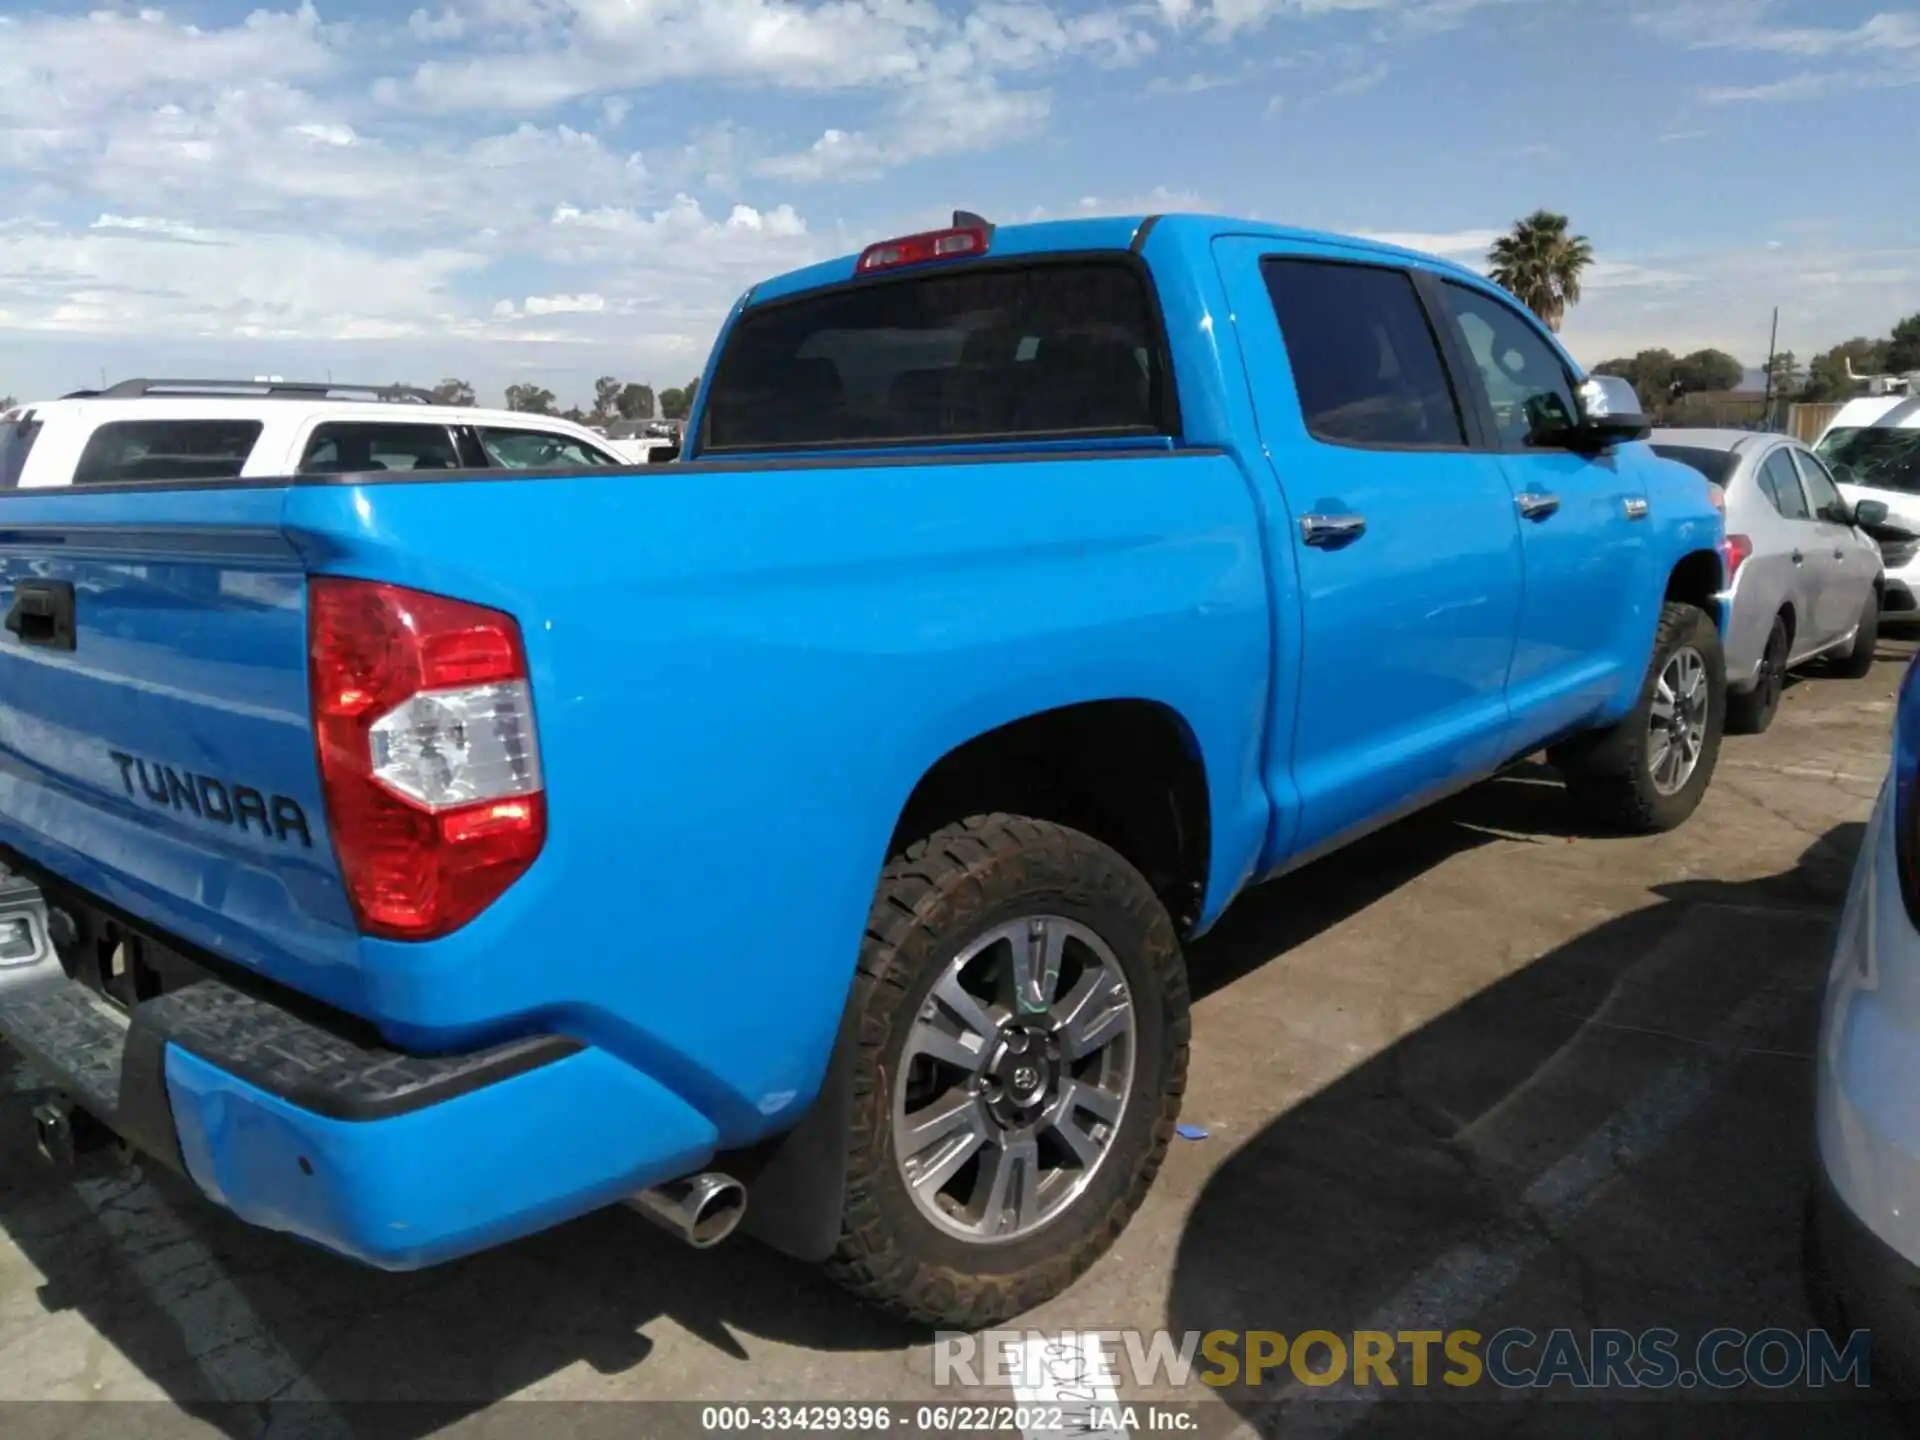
pixel 1060 350
pixel 16 439
pixel 354 447
pixel 1365 362
pixel 162 450
pixel 1780 485
pixel 539 450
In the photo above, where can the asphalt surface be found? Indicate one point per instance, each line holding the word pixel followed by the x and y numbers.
pixel 1480 1071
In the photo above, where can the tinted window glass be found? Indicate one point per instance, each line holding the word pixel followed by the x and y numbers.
pixel 346 448
pixel 1529 389
pixel 540 450
pixel 1822 492
pixel 1365 362
pixel 1782 486
pixel 1716 465
pixel 16 439
pixel 980 354
pixel 166 450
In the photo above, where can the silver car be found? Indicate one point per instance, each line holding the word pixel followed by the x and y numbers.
pixel 1806 582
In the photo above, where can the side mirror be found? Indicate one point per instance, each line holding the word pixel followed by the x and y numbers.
pixel 661 454
pixel 1870 512
pixel 1610 412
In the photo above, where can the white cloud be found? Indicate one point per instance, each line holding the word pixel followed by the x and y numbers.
pixel 1751 25
pixel 939 120
pixel 135 275
pixel 1448 244
pixel 1812 85
pixel 1687 300
pixel 588 304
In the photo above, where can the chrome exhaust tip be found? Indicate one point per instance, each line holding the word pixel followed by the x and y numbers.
pixel 701 1209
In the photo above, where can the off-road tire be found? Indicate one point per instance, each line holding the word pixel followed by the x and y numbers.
pixel 1856 661
pixel 933 898
pixel 1606 772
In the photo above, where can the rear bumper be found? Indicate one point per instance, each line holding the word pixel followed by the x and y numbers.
pixel 396 1160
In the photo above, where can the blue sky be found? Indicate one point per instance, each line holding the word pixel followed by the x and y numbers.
pixel 553 189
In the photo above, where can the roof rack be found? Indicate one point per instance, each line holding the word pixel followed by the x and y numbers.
pixel 268 387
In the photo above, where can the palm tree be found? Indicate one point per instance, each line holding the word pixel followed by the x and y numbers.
pixel 1540 264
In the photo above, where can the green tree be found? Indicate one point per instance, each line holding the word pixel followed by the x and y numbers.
pixel 1652 373
pixel 453 392
pixel 1707 370
pixel 634 402
pixel 1540 264
pixel 1903 348
pixel 606 391
pixel 1785 370
pixel 678 404
pixel 1827 372
pixel 531 400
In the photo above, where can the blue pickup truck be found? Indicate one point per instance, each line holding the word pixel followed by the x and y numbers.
pixel 427 858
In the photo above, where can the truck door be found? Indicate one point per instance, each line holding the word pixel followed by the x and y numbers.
pixel 1404 539
pixel 1588 616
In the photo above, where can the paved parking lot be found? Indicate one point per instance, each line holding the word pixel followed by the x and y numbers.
pixel 1478 1071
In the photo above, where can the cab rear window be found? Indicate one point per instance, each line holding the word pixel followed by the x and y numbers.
pixel 1063 349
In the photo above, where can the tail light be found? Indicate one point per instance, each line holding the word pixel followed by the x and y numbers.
pixel 952 244
pixel 1906 779
pixel 1735 550
pixel 428 753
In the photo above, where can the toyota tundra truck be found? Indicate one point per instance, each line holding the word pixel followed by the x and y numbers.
pixel 808 830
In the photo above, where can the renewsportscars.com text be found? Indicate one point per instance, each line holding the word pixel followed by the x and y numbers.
pixel 1513 1359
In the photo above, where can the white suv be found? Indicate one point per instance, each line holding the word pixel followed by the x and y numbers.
pixel 1873 449
pixel 218 430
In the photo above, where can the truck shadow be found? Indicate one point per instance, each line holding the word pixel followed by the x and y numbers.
pixel 1527 802
pixel 1615 1135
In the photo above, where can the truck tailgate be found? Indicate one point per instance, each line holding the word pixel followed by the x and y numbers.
pixel 155 745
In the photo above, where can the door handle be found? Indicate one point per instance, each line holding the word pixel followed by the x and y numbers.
pixel 42 613
pixel 1537 504
pixel 1839 554
pixel 1635 507
pixel 1332 531
pixel 1798 558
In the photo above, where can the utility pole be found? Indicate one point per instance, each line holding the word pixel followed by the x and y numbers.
pixel 1773 342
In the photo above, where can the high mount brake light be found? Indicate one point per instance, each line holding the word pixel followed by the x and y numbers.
pixel 954 244
pixel 428 753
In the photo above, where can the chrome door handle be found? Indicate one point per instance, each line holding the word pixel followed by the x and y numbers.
pixel 1636 508
pixel 1331 530
pixel 1537 504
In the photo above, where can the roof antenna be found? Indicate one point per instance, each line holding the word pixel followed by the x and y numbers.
pixel 967 220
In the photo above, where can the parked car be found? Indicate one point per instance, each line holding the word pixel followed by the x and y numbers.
pixel 1864 1214
pixel 1873 449
pixel 1805 582
pixel 158 430
pixel 823 819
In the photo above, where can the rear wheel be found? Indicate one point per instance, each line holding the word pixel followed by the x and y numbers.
pixel 1648 772
pixel 1753 712
pixel 1856 661
pixel 1022 1042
